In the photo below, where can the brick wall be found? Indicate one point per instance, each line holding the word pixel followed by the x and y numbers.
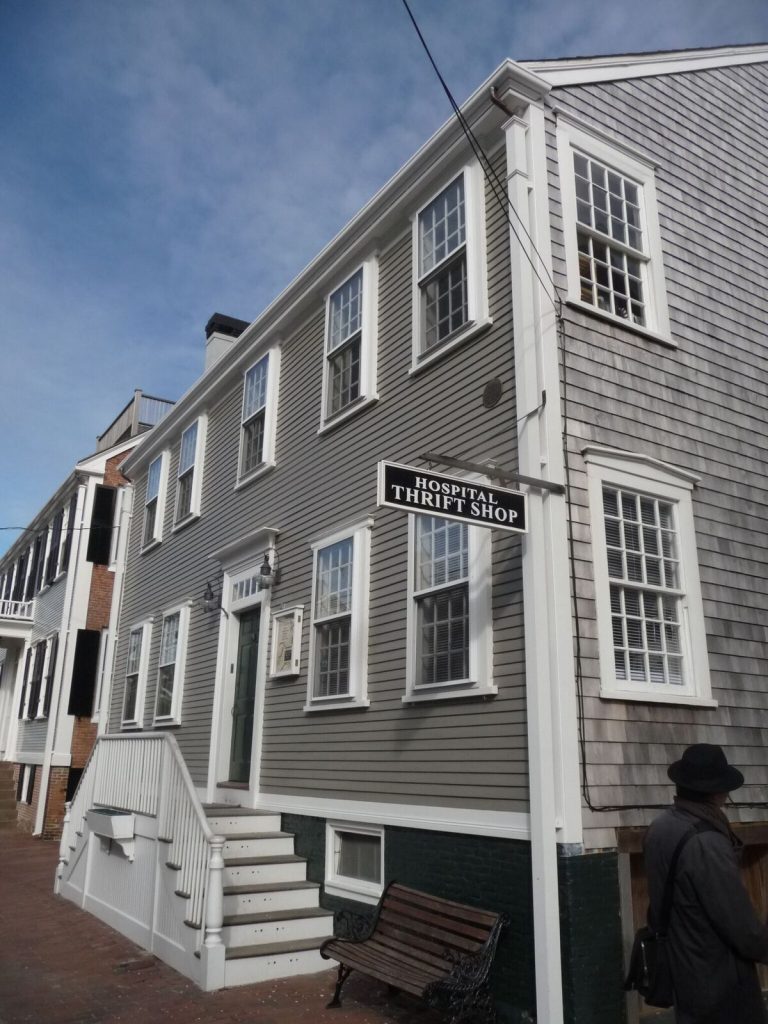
pixel 54 811
pixel 26 813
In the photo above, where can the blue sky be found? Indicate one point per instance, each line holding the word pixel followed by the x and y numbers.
pixel 165 159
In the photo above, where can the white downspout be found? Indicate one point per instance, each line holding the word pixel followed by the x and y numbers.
pixel 553 766
pixel 123 533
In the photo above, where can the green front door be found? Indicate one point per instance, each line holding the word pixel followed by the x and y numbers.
pixel 245 696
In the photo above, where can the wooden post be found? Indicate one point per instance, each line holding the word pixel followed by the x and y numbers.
pixel 63 844
pixel 213 951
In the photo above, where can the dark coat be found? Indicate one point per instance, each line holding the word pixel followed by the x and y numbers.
pixel 715 936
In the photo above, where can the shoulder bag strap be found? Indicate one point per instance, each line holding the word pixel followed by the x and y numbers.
pixel 669 885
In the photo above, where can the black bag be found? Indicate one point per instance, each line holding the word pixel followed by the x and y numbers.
pixel 649 971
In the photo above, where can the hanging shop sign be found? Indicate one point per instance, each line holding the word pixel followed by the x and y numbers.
pixel 435 494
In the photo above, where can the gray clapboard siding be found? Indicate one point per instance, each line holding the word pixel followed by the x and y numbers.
pixel 455 753
pixel 703 408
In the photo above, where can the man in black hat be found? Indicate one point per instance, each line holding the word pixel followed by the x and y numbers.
pixel 715 937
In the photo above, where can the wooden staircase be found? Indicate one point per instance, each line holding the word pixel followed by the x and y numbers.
pixel 7 796
pixel 273 923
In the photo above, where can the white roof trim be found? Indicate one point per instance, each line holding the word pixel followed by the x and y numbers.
pixel 582 71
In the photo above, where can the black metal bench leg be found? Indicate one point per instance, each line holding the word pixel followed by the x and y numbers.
pixel 344 973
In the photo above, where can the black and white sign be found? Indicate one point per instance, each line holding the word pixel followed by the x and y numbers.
pixel 419 490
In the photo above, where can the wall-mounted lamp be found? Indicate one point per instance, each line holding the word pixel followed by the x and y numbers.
pixel 268 571
pixel 212 600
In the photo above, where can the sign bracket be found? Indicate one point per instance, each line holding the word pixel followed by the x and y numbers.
pixel 491 471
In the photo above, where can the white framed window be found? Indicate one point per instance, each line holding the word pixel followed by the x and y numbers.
pixel 286 641
pixel 189 484
pixel 450 289
pixel 339 637
pixel 450 633
pixel 611 227
pixel 354 861
pixel 170 666
pixel 154 502
pixel 652 637
pixel 349 371
pixel 136 668
pixel 259 416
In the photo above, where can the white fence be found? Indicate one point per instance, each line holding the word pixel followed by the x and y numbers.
pixel 145 774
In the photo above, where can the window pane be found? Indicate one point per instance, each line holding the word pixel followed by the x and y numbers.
pixel 150 514
pixel 441 227
pixel 188 446
pixel 253 444
pixel 255 388
pixel 359 856
pixel 445 303
pixel 153 478
pixel 333 592
pixel 170 639
pixel 644 622
pixel 443 636
pixel 165 691
pixel 333 640
pixel 184 495
pixel 442 552
pixel 344 377
pixel 345 311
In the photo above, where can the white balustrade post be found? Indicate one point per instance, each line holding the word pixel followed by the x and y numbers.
pixel 63 846
pixel 213 951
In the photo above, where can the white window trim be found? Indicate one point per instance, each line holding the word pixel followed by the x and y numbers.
pixel 480 681
pixel 141 685
pixel 571 137
pixel 162 491
pixel 478 318
pixel 343 885
pixel 197 475
pixel 174 718
pixel 296 617
pixel 658 479
pixel 368 345
pixel 268 460
pixel 358 653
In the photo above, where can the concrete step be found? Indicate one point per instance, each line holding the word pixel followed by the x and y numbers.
pixel 229 820
pixel 257 899
pixel 256 844
pixel 246 965
pixel 264 870
pixel 276 926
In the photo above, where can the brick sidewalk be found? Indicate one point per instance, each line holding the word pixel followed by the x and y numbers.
pixel 59 965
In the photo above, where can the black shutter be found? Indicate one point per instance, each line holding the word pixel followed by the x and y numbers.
pixel 21 572
pixel 51 672
pixel 24 683
pixel 84 673
pixel 53 554
pixel 37 680
pixel 70 531
pixel 100 536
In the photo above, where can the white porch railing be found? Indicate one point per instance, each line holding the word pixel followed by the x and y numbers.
pixel 23 610
pixel 145 773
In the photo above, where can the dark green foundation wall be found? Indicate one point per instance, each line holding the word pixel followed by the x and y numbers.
pixel 495 874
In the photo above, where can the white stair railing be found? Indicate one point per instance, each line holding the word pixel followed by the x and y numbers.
pixel 145 773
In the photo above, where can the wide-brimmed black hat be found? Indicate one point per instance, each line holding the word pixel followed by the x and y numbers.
pixel 705 769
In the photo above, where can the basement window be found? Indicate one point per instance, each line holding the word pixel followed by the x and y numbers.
pixel 354 862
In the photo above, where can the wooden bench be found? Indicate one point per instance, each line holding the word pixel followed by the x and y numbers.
pixel 432 948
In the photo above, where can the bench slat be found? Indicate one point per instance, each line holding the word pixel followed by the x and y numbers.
pixel 450 926
pixel 393 971
pixel 421 929
pixel 461 911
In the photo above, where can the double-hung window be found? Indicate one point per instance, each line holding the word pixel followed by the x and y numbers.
pixel 170 670
pixel 350 343
pixel 340 619
pixel 611 224
pixel 647 591
pixel 136 675
pixel 257 436
pixel 450 610
pixel 450 290
pixel 189 484
pixel 154 502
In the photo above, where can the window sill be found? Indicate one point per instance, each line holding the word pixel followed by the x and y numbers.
pixel 460 691
pixel 340 705
pixel 611 318
pixel 185 522
pixel 163 723
pixel 151 546
pixel 653 697
pixel 347 414
pixel 244 481
pixel 472 330
pixel 351 892
pixel 130 726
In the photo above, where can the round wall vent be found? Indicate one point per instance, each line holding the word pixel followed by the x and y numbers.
pixel 492 393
